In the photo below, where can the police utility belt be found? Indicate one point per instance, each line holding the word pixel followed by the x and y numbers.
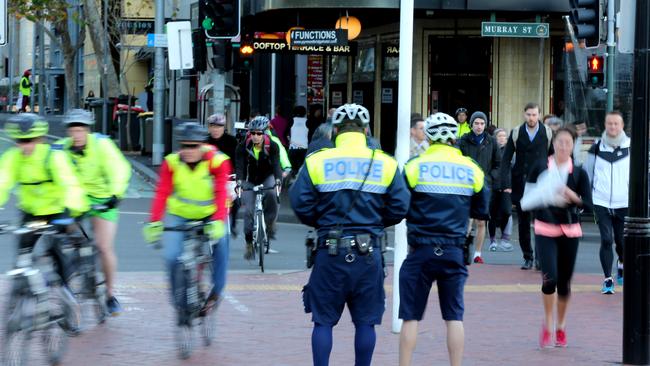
pixel 362 243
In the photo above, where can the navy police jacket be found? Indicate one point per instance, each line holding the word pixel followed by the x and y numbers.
pixel 447 189
pixel 326 185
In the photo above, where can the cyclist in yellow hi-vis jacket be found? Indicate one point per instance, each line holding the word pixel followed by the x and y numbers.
pixel 47 188
pixel 104 174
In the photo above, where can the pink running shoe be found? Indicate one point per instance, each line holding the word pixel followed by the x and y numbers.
pixel 560 338
pixel 545 338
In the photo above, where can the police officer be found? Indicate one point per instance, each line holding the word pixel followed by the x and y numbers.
pixel 350 194
pixel 446 190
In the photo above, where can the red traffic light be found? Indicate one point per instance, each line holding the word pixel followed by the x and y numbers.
pixel 595 64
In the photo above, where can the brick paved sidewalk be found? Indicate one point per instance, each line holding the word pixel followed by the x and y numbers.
pixel 261 322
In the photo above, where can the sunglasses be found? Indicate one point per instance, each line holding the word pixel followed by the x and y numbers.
pixel 25 141
pixel 190 146
pixel 257 133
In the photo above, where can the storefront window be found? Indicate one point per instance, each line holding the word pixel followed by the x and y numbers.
pixel 366 60
pixel 390 63
pixel 339 67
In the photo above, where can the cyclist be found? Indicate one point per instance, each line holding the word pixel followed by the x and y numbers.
pixel 349 193
pixel 258 162
pixel 446 190
pixel 104 174
pixel 192 186
pixel 47 188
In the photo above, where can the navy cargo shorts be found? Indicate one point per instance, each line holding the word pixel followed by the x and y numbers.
pixel 420 269
pixel 335 282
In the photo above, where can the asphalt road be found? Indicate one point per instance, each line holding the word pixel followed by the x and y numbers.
pixel 135 256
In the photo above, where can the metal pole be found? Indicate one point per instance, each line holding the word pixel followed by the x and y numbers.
pixel 611 54
pixel 13 44
pixel 636 294
pixel 159 89
pixel 34 39
pixel 41 67
pixel 273 76
pixel 403 124
pixel 105 73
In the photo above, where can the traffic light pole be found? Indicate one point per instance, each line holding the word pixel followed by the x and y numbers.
pixel 159 89
pixel 218 91
pixel 611 54
pixel 636 294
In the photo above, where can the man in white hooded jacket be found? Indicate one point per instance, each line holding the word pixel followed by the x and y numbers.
pixel 608 166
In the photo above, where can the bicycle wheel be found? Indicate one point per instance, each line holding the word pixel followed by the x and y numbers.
pixel 261 239
pixel 18 319
pixel 55 342
pixel 184 340
pixel 99 302
pixel 209 326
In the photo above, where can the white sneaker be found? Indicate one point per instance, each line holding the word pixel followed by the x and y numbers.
pixel 493 246
pixel 505 246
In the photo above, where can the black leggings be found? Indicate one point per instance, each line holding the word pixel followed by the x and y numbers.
pixel 610 223
pixel 557 258
pixel 500 211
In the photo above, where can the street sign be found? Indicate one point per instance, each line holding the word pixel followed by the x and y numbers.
pixel 514 30
pixel 136 26
pixel 156 40
pixel 179 48
pixel 280 46
pixel 5 21
pixel 319 37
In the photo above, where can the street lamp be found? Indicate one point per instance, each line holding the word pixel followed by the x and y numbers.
pixel 352 24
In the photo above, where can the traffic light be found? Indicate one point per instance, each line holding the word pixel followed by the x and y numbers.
pixel 586 17
pixel 221 55
pixel 219 18
pixel 200 51
pixel 596 71
pixel 245 56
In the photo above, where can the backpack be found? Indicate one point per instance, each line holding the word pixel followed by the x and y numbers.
pixel 549 135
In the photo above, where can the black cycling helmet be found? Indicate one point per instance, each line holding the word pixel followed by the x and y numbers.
pixel 26 126
pixel 461 110
pixel 190 131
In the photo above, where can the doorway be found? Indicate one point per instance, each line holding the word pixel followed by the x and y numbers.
pixel 460 72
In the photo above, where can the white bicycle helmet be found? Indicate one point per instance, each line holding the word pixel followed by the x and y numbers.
pixel 79 116
pixel 440 127
pixel 259 123
pixel 351 112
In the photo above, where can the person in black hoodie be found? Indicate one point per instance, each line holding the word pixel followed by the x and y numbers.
pixel 557 229
pixel 481 147
pixel 500 203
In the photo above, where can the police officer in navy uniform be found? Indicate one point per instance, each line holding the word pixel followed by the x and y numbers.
pixel 447 189
pixel 350 194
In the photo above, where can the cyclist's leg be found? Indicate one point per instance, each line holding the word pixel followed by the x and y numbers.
pixel 104 232
pixel 270 207
pixel 248 204
pixel 220 265
pixel 173 248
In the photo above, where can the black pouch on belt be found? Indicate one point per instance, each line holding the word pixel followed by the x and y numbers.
pixel 310 246
pixel 333 240
pixel 363 243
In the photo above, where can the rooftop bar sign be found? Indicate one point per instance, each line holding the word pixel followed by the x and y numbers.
pixel 319 37
pixel 514 30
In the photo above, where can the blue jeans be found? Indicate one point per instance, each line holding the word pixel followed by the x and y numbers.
pixel 173 248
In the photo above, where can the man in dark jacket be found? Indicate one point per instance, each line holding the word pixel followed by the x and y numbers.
pixel 481 147
pixel 531 141
pixel 257 161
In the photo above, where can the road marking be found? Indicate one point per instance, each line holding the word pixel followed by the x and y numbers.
pixel 238 305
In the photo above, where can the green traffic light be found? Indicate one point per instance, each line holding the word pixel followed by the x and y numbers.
pixel 207 24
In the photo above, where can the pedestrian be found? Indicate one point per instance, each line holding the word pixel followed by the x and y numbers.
pixel 25 89
pixel 579 155
pixel 298 138
pixel 558 231
pixel 191 187
pixel 280 125
pixel 553 122
pixel 350 194
pixel 481 147
pixel 608 166
pixel 227 144
pixel 419 143
pixel 531 141
pixel 500 203
pixel 446 190
pixel 315 118
pixel 463 126
pixel 322 138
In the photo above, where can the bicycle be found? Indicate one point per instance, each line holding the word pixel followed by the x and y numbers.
pixel 191 295
pixel 38 300
pixel 260 237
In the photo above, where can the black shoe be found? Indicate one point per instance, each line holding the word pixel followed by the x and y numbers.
pixel 249 255
pixel 528 264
